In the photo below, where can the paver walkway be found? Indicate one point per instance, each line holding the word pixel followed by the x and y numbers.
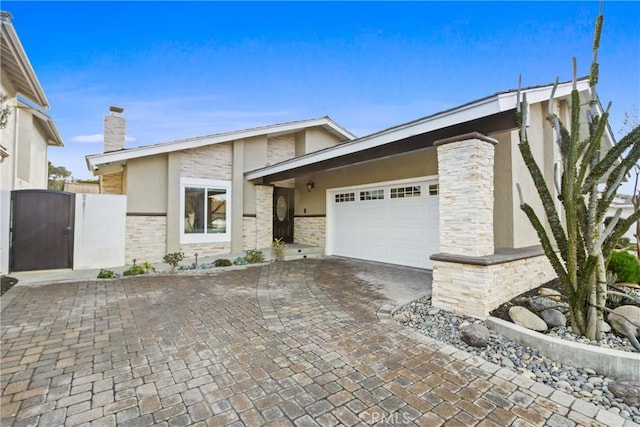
pixel 296 343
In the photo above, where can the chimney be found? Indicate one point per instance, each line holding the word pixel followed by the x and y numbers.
pixel 114 130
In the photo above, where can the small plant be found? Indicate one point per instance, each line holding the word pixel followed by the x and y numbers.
pixel 106 274
pixel 134 270
pixel 173 259
pixel 222 262
pixel 277 248
pixel 254 256
pixel 625 266
pixel 148 267
pixel 241 261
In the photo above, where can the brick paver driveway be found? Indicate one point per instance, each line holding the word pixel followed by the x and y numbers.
pixel 294 343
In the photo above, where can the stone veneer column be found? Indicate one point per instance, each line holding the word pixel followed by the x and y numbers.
pixel 264 216
pixel 465 174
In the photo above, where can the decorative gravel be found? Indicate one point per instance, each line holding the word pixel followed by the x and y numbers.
pixel 584 383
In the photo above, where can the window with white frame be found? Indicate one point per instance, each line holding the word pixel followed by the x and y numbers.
pixel 205 210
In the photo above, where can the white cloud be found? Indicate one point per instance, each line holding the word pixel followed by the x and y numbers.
pixel 98 137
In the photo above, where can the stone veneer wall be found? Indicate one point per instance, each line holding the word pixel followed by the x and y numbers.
pixel 205 249
pixel 279 149
pixel 465 173
pixel 210 162
pixel 249 235
pixel 264 216
pixel 111 184
pixel 146 238
pixel 475 290
pixel 309 230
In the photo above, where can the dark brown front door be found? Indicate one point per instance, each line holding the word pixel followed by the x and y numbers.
pixel 283 211
pixel 41 230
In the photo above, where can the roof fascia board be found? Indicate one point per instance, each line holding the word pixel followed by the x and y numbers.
pixel 47 123
pixel 119 156
pixel 21 58
pixel 474 110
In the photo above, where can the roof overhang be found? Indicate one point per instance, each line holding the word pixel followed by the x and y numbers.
pixel 96 162
pixel 490 115
pixel 16 65
pixel 46 123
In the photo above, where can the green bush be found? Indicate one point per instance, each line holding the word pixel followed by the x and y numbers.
pixel 254 256
pixel 222 262
pixel 241 261
pixel 106 274
pixel 173 259
pixel 134 270
pixel 625 266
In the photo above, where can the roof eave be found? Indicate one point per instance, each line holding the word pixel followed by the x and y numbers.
pixel 34 91
pixel 94 160
pixel 493 104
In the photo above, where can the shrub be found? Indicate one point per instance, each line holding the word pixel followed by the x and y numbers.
pixel 278 247
pixel 106 274
pixel 254 256
pixel 173 259
pixel 222 262
pixel 241 261
pixel 148 267
pixel 625 266
pixel 134 270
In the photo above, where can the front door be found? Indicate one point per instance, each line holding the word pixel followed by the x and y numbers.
pixel 41 230
pixel 283 211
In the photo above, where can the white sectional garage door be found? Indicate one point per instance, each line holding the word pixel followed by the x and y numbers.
pixel 393 223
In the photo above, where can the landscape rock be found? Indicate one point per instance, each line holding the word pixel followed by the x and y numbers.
pixel 553 318
pixel 626 320
pixel 541 303
pixel 401 317
pixel 525 318
pixel 606 327
pixel 550 293
pixel 475 335
pixel 627 391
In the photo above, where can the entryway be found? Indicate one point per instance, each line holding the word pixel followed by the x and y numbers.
pixel 41 230
pixel 283 212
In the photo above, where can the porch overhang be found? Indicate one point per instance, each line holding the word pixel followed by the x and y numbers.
pixel 333 159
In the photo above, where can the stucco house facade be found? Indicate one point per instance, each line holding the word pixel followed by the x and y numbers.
pixel 26 134
pixel 29 132
pixel 437 193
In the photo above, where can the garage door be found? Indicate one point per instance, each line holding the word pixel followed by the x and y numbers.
pixel 393 223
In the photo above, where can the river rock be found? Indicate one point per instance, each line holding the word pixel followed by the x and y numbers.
pixel 401 317
pixel 550 293
pixel 626 320
pixel 541 303
pixel 475 335
pixel 525 318
pixel 553 318
pixel 627 391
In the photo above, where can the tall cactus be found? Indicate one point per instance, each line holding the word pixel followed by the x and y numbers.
pixel 578 246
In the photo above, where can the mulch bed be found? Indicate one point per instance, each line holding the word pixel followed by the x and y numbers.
pixel 6 283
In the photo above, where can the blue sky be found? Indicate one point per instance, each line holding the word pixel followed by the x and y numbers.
pixel 184 69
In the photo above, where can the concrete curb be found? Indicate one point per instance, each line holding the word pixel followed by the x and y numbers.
pixel 618 364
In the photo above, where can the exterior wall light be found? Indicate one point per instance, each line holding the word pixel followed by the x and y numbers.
pixel 310 186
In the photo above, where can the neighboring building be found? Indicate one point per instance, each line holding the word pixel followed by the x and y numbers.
pixel 29 131
pixel 625 203
pixel 437 193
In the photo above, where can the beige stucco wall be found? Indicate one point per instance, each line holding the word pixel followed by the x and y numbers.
pixel 7 135
pixel 416 164
pixel 314 139
pixel 147 184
